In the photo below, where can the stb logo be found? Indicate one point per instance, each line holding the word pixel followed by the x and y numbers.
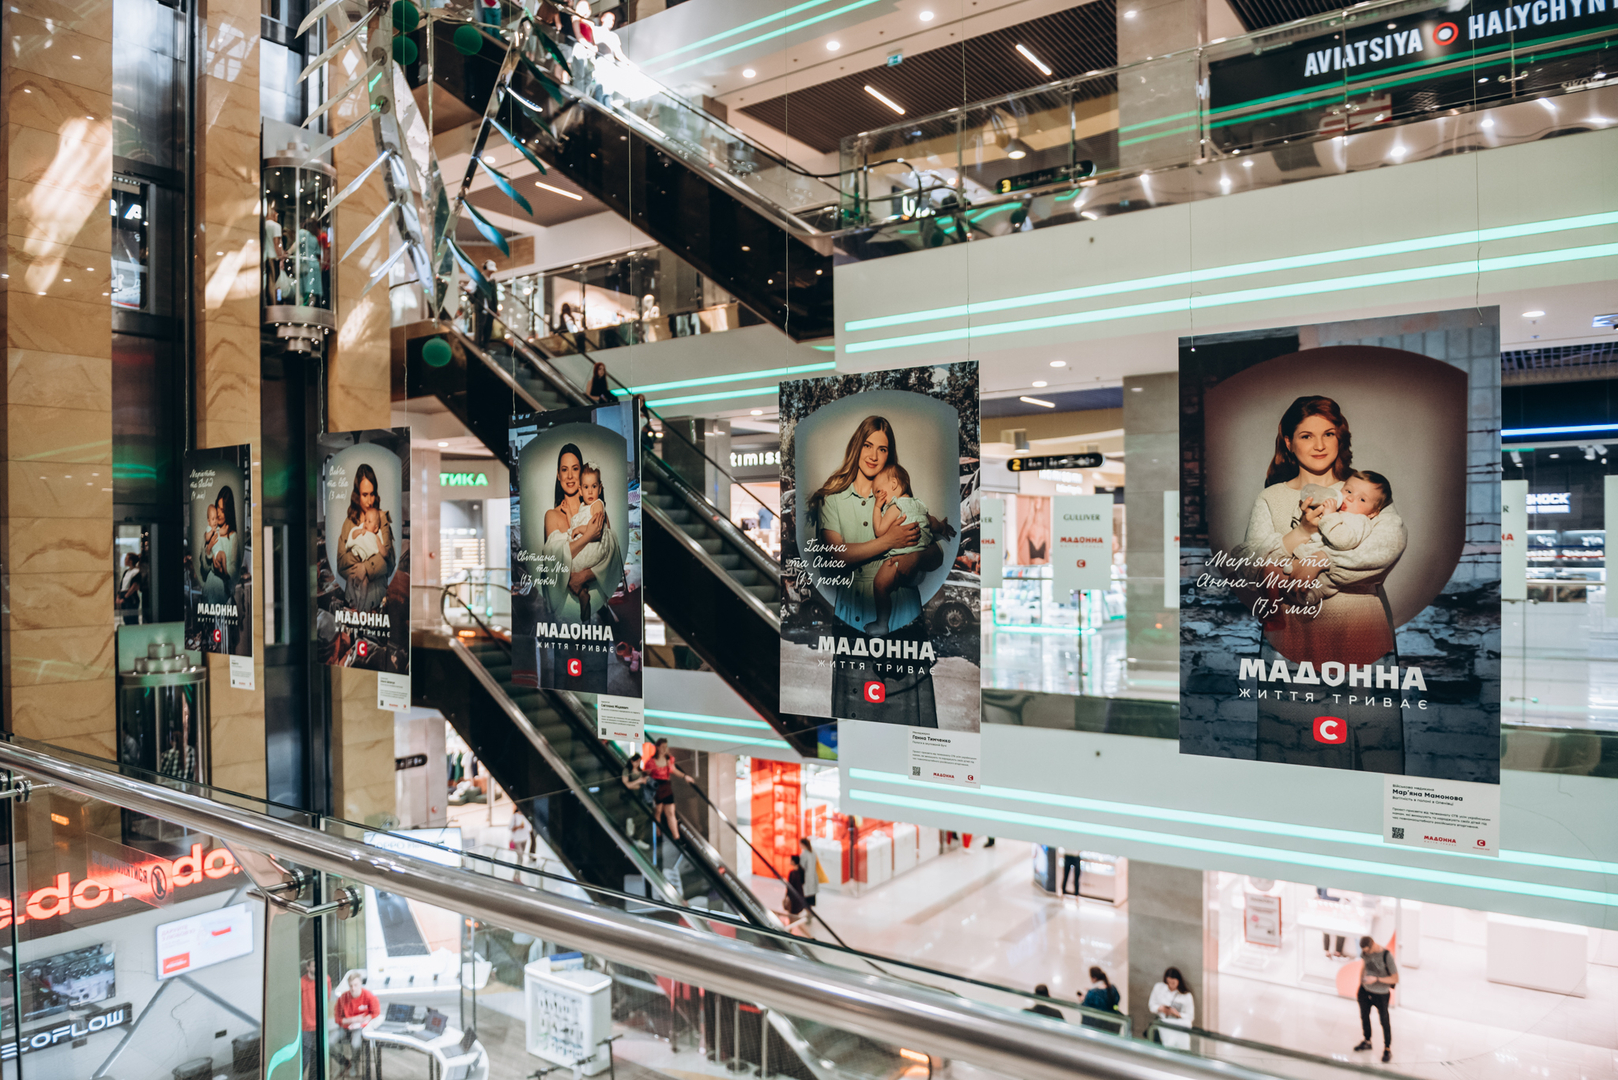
pixel 218 636
pixel 364 649
pixel 575 667
pixel 875 692
pixel 1331 729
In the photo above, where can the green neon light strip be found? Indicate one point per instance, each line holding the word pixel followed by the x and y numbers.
pixel 1158 135
pixel 742 29
pixel 856 5
pixel 1220 273
pixel 713 380
pixel 1249 851
pixel 723 721
pixel 1248 296
pixel 1228 821
pixel 283 1055
pixel 725 395
pixel 1159 120
pixel 728 740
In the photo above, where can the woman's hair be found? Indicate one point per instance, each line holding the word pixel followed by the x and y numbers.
pixel 850 467
pixel 227 506
pixel 657 747
pixel 567 448
pixel 361 474
pixel 1097 975
pixel 1284 466
pixel 1180 985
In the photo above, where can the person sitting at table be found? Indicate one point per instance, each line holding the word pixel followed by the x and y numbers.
pixel 353 1010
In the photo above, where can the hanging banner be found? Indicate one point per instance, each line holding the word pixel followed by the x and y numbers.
pixel 1081 544
pixel 1330 484
pixel 880 554
pixel 993 540
pixel 218 555
pixel 576 598
pixel 362 544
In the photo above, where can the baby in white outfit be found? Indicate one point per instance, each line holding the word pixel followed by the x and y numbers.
pixel 590 504
pixel 1350 514
pixel 363 542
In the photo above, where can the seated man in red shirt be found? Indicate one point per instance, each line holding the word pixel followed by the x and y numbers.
pixel 356 1008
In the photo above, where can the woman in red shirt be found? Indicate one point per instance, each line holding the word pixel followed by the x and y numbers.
pixel 661 768
pixel 356 1008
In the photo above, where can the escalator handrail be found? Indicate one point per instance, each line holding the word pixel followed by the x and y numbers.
pixel 873 1006
pixel 716 519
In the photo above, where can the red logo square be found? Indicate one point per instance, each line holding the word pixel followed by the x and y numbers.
pixel 875 692
pixel 575 667
pixel 1331 729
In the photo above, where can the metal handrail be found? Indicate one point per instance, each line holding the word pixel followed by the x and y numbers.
pixel 1017 1044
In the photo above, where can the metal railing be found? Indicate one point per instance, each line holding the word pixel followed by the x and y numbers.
pixel 1013 1043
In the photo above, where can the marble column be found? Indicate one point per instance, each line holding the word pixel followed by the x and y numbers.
pixel 359 392
pixel 56 429
pixel 1170 925
pixel 1152 462
pixel 1158 106
pixel 227 336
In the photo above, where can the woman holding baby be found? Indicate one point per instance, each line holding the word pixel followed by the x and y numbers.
pixel 848 508
pixel 221 558
pixel 583 562
pixel 366 558
pixel 1334 532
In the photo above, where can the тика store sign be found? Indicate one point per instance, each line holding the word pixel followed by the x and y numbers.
pixel 65 894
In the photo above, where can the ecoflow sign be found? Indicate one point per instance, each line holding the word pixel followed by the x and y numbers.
pixel 71 1032
pixel 1081 549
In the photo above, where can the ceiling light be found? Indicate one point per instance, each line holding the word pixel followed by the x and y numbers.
pixel 76 56
pixel 1397 152
pixel 833 46
pixel 1041 382
pixel 1088 215
pixel 1248 164
pixel 926 16
pixel 885 99
pixel 1032 59
pixel 1041 402
pixel 758 412
pixel 1016 149
pixel 1129 14
pixel 748 73
pixel 1532 314
pixel 1058 363
pixel 1136 389
pixel 442 445
pixel 1486 122
pixel 559 191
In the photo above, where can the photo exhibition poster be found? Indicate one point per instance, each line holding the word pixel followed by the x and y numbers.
pixel 219 551
pixel 362 550
pixel 576 590
pixel 1340 545
pixel 879 549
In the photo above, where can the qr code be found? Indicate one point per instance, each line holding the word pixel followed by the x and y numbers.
pixel 915 770
pixel 1398 833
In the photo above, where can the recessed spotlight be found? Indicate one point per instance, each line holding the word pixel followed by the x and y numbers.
pixel 1129 14
pixel 76 56
pixel 1136 389
pixel 746 248
pixel 1248 164
pixel 1041 402
pixel 833 46
pixel 1032 59
pixel 758 412
pixel 1058 363
pixel 1486 123
pixel 1532 314
pixel 748 73
pixel 885 99
pixel 442 445
pixel 1040 382
pixel 926 16
pixel 559 191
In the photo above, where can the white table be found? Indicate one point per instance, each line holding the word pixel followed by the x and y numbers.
pixel 447 1061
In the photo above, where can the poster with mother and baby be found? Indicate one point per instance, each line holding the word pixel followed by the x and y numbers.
pixel 362 596
pixel 576 596
pixel 1340 546
pixel 219 556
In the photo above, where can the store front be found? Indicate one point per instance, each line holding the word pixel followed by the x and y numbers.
pixel 474 537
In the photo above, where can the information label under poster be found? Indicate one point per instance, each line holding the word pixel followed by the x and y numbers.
pixel 620 718
pixel 1334 613
pixel 1434 813
pixel 392 692
pixel 219 554
pixel 362 544
pixel 576 597
pixel 993 540
pixel 1081 544
pixel 945 757
pixel 879 547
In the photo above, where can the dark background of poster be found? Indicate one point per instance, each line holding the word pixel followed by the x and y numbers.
pixel 1455 640
pixel 232 468
pixel 386 650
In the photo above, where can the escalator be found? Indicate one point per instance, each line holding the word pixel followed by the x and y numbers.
pixel 704 577
pixel 741 215
pixel 540 746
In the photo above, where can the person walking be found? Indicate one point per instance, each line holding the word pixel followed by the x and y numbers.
pixel 1377 979
pixel 793 903
pixel 811 871
pixel 662 770
pixel 600 390
pixel 1171 1003
pixel 1102 996
pixel 1043 1009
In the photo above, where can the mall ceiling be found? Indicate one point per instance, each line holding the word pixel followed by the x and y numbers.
pixel 1070 42
pixel 1561 363
pixel 1259 14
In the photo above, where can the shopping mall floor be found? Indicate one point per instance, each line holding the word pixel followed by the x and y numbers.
pixel 977 913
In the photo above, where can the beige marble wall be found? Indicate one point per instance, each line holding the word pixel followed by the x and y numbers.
pixel 56 416
pixel 227 391
pixel 359 392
